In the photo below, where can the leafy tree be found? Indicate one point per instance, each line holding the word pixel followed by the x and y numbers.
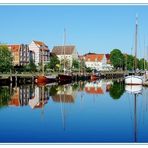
pixel 75 64
pixel 129 62
pixel 67 64
pixel 88 69
pixel 141 64
pixel 5 59
pixel 54 61
pixel 116 90
pixel 32 67
pixel 117 58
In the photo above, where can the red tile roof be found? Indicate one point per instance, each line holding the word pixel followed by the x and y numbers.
pixel 39 43
pixel 63 98
pixel 93 90
pixel 94 57
pixel 14 48
pixel 59 50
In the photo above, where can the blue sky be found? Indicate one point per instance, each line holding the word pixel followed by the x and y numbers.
pixel 91 28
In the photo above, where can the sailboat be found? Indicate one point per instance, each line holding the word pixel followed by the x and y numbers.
pixel 64 78
pixel 134 79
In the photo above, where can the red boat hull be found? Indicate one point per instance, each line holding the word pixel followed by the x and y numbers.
pixel 41 80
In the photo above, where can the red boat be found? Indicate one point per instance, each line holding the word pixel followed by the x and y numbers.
pixel 44 79
pixel 41 80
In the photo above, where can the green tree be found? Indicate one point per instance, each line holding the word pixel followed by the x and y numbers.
pixel 5 59
pixel 67 64
pixel 116 90
pixel 32 67
pixel 141 64
pixel 54 61
pixel 117 58
pixel 75 64
pixel 129 62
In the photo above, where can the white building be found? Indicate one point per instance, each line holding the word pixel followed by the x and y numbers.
pixel 67 52
pixel 98 62
pixel 40 50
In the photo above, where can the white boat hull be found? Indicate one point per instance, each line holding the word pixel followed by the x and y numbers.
pixel 134 80
pixel 134 89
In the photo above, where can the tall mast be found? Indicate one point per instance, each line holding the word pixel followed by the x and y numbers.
pixel 64 47
pixel 136 38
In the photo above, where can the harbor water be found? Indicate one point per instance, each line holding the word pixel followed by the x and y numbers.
pixel 104 111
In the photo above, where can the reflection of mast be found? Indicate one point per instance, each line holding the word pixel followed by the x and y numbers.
pixel 42 100
pixel 135 118
pixel 62 110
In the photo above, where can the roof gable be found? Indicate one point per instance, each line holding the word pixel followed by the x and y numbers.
pixel 14 48
pixel 59 50
pixel 94 57
pixel 39 43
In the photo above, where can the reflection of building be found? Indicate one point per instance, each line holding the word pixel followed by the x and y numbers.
pixel 98 87
pixel 39 97
pixel 15 101
pixel 93 88
pixel 65 94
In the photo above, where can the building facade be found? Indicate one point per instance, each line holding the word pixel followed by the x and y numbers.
pixel 20 54
pixel 40 51
pixel 68 52
pixel 99 62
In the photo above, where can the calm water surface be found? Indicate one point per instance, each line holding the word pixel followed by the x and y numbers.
pixel 101 111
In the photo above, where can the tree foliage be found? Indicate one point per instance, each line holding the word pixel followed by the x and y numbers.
pixel 54 61
pixel 5 59
pixel 117 58
pixel 116 90
pixel 75 64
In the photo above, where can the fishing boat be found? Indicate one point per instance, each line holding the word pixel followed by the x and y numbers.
pixel 135 79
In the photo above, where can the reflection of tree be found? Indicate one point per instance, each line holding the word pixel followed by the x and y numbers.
pixel 75 86
pixel 116 90
pixel 53 90
pixel 4 96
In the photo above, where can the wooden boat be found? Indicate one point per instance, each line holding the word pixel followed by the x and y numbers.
pixel 45 79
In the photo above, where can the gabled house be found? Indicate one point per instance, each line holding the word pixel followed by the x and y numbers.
pixel 67 52
pixel 98 62
pixel 40 50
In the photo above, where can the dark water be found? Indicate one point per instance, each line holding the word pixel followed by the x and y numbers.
pixel 102 111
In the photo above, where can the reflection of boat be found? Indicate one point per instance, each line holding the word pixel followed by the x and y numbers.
pixel 64 78
pixel 133 88
pixel 133 79
pixel 93 77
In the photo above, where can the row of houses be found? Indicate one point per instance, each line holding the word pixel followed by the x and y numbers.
pixel 38 51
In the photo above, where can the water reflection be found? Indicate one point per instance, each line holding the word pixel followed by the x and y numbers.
pixel 72 115
pixel 37 96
